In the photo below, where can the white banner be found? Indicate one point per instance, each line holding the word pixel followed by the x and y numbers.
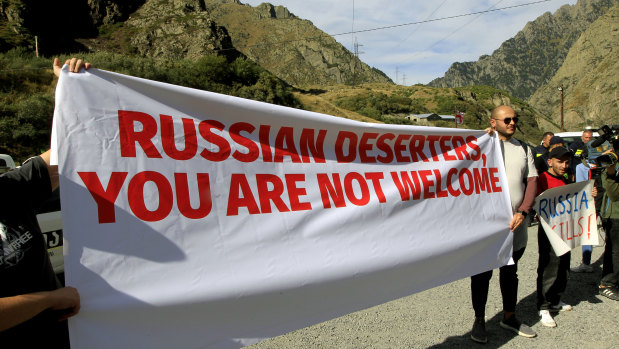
pixel 567 214
pixel 199 220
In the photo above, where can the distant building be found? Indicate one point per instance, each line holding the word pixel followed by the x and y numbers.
pixel 422 118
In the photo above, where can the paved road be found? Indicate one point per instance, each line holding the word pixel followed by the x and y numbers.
pixel 443 316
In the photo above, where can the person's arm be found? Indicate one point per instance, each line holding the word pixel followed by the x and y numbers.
pixel 529 198
pixel 51 169
pixel 529 194
pixel 18 309
pixel 610 182
pixel 75 65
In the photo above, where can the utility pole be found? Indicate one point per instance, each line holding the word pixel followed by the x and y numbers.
pixel 357 53
pixel 404 79
pixel 561 90
pixel 36 45
pixel 352 29
pixel 397 72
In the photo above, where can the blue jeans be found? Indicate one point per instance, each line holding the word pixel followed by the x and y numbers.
pixel 586 254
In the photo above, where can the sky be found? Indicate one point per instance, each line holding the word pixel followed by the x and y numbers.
pixel 426 36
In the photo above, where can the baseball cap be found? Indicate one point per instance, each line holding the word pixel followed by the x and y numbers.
pixel 556 140
pixel 558 153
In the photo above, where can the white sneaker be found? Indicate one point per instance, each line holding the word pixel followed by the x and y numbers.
pixel 547 319
pixel 583 268
pixel 561 307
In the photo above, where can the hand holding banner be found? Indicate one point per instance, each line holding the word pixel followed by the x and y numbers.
pixel 567 214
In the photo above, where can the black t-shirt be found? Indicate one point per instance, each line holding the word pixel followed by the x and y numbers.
pixel 24 263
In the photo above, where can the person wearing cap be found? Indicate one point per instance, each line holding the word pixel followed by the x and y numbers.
pixel 552 270
pixel 521 181
pixel 541 152
pixel 541 156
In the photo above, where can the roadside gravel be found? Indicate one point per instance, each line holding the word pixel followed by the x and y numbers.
pixel 442 317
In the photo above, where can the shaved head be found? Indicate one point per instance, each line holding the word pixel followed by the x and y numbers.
pixel 500 110
pixel 503 120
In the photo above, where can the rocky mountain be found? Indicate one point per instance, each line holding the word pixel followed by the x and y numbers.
pixel 531 58
pixel 589 77
pixel 291 48
pixel 56 25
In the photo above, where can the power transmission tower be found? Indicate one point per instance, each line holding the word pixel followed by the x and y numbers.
pixel 357 53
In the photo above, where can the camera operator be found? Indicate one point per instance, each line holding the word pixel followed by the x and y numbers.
pixel 609 284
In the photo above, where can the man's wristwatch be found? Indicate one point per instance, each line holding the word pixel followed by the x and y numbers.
pixel 524 214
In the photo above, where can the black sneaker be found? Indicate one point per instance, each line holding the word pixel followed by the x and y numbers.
pixel 516 326
pixel 609 292
pixel 478 333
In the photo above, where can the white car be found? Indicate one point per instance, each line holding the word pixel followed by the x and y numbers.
pixel 50 221
pixel 6 163
pixel 571 137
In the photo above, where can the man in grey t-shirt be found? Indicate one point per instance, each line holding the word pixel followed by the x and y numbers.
pixel 521 180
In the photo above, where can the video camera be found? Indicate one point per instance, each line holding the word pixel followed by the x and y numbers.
pixel 610 134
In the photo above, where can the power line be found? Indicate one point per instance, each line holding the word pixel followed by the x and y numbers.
pixel 417 28
pixel 283 42
pixel 442 18
pixel 458 29
pixel 352 28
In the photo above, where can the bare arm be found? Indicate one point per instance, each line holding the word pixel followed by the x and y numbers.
pixel 75 65
pixel 18 309
pixel 51 169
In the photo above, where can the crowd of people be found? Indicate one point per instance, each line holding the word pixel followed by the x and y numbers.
pixel 33 305
pixel 549 165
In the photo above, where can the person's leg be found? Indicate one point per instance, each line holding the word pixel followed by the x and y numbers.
pixel 479 292
pixel 587 250
pixel 560 283
pixel 585 266
pixel 546 269
pixel 610 272
pixel 508 280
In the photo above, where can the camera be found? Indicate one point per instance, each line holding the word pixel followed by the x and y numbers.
pixel 610 134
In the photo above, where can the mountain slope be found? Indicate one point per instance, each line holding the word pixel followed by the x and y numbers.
pixel 589 76
pixel 291 48
pixel 532 57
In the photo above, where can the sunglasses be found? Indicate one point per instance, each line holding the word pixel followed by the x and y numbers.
pixel 507 121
